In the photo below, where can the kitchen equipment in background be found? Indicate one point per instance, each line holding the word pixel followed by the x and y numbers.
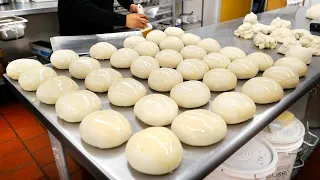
pixel 4 2
pixel 39 1
pixel 42 50
pixel 12 27
pixel 192 18
pixel 189 18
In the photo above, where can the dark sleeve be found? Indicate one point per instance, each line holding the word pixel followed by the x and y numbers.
pixel 126 3
pixel 85 9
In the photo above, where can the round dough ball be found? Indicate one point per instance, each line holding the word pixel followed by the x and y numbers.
pixel 123 58
pixel 284 76
pixel 243 68
pixel 164 79
pixel 126 92
pixel 169 58
pixel 305 54
pixel 263 90
pixel 216 60
pixel 193 52
pixel 295 64
pixel 75 105
pixel 199 127
pixel 51 90
pixel 154 151
pixel 171 42
pixel 174 31
pixel 234 107
pixel 102 50
pixel 190 94
pixel 220 79
pixel 190 39
pixel 156 36
pixel 31 79
pixel 209 45
pixel 130 42
pixel 143 66
pixel 263 60
pixel 193 69
pixel 83 66
pixel 105 129
pixel 147 48
pixel 101 79
pixel 16 67
pixel 61 59
pixel 232 53
pixel 156 110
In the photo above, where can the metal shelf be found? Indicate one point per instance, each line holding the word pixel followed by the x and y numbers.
pixel 186 25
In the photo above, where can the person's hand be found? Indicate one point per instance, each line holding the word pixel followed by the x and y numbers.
pixel 139 21
pixel 133 8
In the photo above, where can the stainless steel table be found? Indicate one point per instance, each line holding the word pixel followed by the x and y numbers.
pixel 197 161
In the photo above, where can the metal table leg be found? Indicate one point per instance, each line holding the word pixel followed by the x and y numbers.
pixel 59 157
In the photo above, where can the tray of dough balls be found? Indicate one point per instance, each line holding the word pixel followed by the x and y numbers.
pixel 156 106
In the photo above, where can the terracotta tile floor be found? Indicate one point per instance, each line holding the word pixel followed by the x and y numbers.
pixel 25 151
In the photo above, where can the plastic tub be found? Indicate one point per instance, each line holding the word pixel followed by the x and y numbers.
pixel 286 143
pixel 255 160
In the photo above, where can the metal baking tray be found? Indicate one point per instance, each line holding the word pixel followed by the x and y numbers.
pixel 197 162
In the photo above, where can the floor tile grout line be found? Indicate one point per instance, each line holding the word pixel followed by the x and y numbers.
pixel 40 149
pixel 9 139
pixel 17 168
pixel 12 153
pixel 29 152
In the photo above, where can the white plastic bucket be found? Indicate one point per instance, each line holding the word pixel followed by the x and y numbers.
pixel 255 160
pixel 286 144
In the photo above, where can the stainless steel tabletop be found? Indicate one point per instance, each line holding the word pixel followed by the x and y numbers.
pixel 197 162
pixel 27 8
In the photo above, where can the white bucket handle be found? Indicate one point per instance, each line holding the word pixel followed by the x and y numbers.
pixel 300 165
pixel 315 142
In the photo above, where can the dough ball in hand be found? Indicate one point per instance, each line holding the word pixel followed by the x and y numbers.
pixel 233 107
pixel 101 79
pixel 123 58
pixel 102 50
pixel 164 79
pixel 61 59
pixel 143 66
pixel 105 129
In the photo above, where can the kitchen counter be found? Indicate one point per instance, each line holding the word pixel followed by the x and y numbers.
pixel 28 8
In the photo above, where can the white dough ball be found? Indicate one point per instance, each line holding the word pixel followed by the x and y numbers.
pixel 169 58
pixel 123 58
pixel 233 53
pixel 295 64
pixel 216 60
pixel 209 45
pixel 234 107
pixel 220 79
pixel 192 69
pixel 105 129
pixel 143 66
pixel 243 68
pixel 156 36
pixel 174 31
pixel 49 91
pixel 199 127
pixel 126 92
pixel 16 67
pixel 75 105
pixel 264 61
pixel 147 48
pixel 313 12
pixel 102 50
pixel 190 94
pixel 190 39
pixel 156 110
pixel 172 42
pixel 130 42
pixel 61 59
pixel 263 90
pixel 31 79
pixel 154 151
pixel 83 66
pixel 305 54
pixel 101 79
pixel 284 76
pixel 164 79
pixel 193 52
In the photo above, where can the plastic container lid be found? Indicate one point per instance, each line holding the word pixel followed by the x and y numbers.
pixel 292 134
pixel 256 159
